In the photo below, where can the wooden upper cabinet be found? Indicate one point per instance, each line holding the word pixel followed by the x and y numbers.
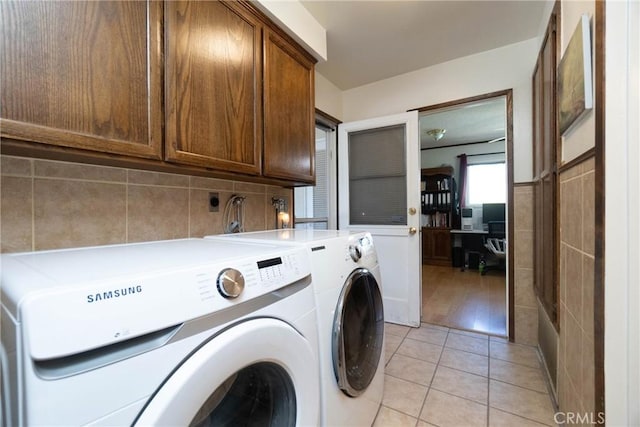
pixel 289 113
pixel 82 74
pixel 238 94
pixel 213 86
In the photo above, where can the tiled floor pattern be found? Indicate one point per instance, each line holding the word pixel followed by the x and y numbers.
pixel 436 376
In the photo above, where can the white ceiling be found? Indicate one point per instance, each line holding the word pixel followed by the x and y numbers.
pixel 369 41
pixel 479 121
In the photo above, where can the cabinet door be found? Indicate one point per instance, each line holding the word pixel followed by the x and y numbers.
pixel 436 246
pixel 213 85
pixel 289 112
pixel 82 74
pixel 442 246
pixel 427 245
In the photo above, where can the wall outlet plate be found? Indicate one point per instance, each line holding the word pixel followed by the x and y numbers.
pixel 214 202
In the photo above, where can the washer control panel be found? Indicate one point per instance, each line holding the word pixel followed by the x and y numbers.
pixel 189 279
pixel 361 248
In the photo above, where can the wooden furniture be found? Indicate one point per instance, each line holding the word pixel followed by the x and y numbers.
pixel 438 206
pixel 289 111
pixel 85 75
pixel 213 86
pixel 90 77
pixel 436 246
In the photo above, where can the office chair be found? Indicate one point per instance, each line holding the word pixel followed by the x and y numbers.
pixel 496 244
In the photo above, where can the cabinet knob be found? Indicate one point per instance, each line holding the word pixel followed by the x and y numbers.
pixel 413 230
pixel 412 211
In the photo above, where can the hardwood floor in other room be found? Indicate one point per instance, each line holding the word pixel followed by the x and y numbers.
pixel 464 299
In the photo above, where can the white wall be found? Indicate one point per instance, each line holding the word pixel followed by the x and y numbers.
pixel 449 155
pixel 581 136
pixel 509 67
pixel 296 20
pixel 328 97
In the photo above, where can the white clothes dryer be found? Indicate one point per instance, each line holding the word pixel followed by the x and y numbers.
pixel 185 332
pixel 346 282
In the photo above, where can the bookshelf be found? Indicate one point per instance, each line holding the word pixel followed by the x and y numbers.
pixel 439 214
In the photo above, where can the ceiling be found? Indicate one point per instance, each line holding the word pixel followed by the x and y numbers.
pixel 369 41
pixel 479 121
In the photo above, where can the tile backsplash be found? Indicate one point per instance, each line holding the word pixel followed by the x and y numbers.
pixel 52 205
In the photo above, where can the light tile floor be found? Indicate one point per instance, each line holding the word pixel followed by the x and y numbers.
pixel 436 376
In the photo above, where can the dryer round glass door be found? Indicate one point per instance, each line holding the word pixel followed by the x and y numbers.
pixel 260 372
pixel 358 333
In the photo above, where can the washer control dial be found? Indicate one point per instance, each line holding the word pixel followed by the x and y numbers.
pixel 230 283
pixel 355 251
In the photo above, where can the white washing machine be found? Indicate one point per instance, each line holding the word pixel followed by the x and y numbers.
pixel 175 333
pixel 346 281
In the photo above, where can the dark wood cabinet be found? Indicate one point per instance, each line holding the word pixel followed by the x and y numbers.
pixel 85 75
pixel 436 246
pixel 213 86
pixel 238 92
pixel 289 111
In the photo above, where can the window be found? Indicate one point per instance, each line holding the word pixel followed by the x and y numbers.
pixel 486 183
pixel 314 205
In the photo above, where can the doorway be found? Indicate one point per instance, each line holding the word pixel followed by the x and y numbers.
pixel 469 285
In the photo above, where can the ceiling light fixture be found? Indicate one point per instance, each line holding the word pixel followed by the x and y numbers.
pixel 436 134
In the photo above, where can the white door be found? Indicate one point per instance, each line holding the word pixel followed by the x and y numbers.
pixel 379 192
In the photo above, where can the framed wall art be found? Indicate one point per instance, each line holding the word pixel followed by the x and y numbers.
pixel 575 87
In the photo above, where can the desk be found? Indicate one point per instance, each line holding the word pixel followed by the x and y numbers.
pixel 468 241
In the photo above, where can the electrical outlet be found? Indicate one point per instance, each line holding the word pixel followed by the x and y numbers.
pixel 214 202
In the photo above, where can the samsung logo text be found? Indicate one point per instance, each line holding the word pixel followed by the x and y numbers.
pixel 116 293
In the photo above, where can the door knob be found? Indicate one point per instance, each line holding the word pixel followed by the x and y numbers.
pixel 412 211
pixel 413 230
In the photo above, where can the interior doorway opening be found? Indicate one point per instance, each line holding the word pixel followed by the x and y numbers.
pixel 467 213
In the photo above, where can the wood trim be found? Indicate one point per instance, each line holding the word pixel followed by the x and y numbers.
pixel 511 318
pixel 463 101
pixel 574 162
pixel 523 184
pixel 598 291
pixel 508 94
pixel 327 119
pixel 557 11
